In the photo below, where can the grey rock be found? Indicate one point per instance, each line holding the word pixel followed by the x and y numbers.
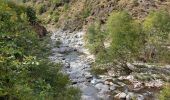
pixel 102 87
pixel 131 67
pixel 121 95
pixel 88 75
pixel 113 87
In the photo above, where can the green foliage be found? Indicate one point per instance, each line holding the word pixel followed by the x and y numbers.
pixel 157 30
pixel 42 9
pixel 125 35
pixel 95 39
pixel 25 72
pixel 60 1
pixel 165 93
pixel 31 14
pixel 158 21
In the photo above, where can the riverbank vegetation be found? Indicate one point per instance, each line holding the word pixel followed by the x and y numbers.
pixel 25 71
pixel 132 40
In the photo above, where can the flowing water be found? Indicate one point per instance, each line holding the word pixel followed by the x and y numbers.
pixel 71 52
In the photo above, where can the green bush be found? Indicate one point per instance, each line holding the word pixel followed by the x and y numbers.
pixel 31 14
pixel 157 32
pixel 95 39
pixel 125 34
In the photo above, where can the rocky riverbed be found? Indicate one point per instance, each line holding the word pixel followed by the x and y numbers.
pixel 76 59
pixel 69 49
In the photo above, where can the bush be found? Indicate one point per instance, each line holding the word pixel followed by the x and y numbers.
pixel 95 39
pixel 157 31
pixel 125 35
pixel 31 14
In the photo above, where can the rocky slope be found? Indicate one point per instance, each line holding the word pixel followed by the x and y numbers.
pixel 77 14
pixel 86 12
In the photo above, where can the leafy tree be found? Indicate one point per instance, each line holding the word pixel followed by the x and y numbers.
pixel 125 34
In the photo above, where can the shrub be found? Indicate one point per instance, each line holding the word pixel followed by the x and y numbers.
pixel 95 39
pixel 31 14
pixel 157 31
pixel 125 35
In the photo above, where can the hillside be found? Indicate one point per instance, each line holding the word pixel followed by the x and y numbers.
pixel 78 14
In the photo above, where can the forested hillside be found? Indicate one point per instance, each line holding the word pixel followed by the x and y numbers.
pixel 93 49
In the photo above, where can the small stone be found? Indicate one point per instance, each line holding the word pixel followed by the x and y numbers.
pixel 67 65
pixel 137 84
pixel 112 87
pixel 111 83
pixel 121 83
pixel 130 77
pixel 140 97
pixel 88 75
pixel 130 66
pixel 111 73
pixel 107 83
pixel 121 95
